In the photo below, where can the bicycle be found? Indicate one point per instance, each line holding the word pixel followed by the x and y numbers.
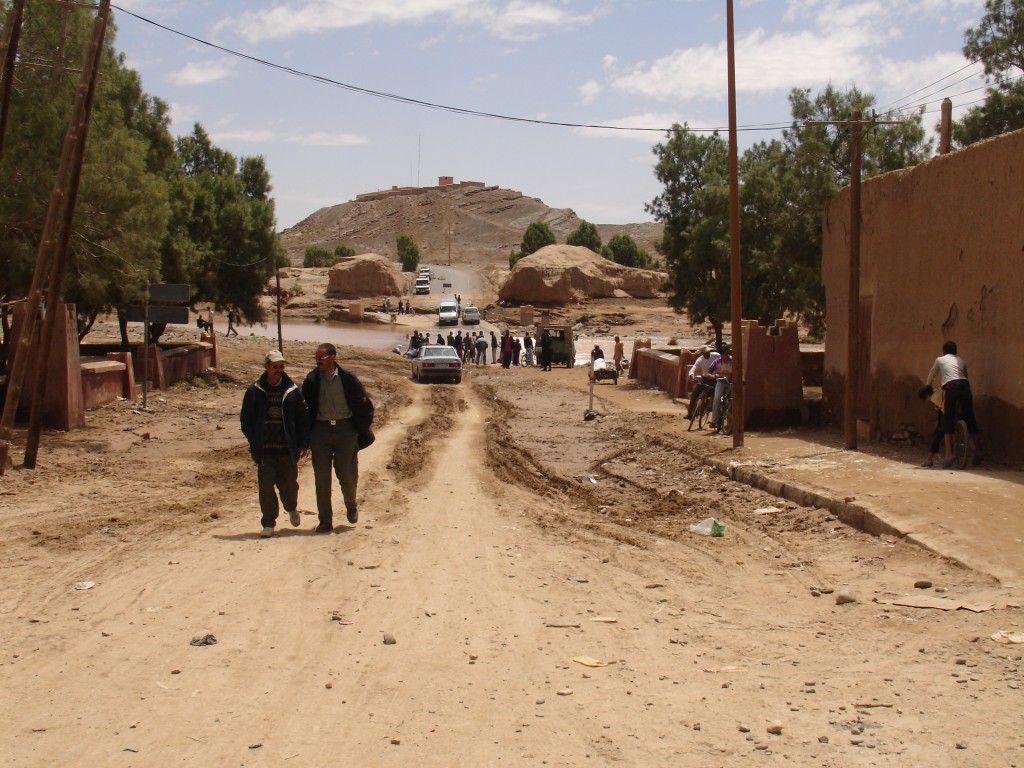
pixel 963 446
pixel 702 408
pixel 725 415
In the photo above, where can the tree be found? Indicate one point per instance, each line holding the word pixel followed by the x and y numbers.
pixel 998 43
pixel 536 236
pixel 585 234
pixel 622 249
pixel 694 209
pixel 121 212
pixel 343 252
pixel 408 253
pixel 316 256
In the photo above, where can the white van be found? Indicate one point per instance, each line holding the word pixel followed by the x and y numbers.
pixel 422 285
pixel 448 312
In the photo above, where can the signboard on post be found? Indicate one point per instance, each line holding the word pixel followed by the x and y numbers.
pixel 170 293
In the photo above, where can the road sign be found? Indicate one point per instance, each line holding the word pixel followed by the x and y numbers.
pixel 172 293
pixel 171 315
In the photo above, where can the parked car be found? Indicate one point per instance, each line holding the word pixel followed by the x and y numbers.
pixel 438 362
pixel 471 315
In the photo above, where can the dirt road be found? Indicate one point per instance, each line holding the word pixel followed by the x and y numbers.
pixel 538 618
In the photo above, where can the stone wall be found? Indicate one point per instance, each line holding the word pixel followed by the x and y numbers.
pixel 942 246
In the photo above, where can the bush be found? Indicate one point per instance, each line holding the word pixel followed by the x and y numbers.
pixel 513 257
pixel 343 252
pixel 536 236
pixel 586 235
pixel 316 256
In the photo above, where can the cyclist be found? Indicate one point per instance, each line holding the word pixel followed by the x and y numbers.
pixel 955 389
pixel 698 370
pixel 721 369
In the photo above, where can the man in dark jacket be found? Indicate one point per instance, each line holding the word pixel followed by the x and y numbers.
pixel 340 417
pixel 275 422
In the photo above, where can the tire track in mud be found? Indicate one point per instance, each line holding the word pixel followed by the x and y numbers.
pixel 413 452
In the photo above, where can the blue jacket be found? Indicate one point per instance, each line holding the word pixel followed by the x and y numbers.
pixel 254 416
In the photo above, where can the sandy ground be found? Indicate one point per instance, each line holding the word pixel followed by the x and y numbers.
pixel 539 617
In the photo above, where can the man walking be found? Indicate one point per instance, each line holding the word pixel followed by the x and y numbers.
pixel 275 422
pixel 340 417
pixel 232 316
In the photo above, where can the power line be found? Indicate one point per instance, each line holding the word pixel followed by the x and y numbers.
pixel 420 102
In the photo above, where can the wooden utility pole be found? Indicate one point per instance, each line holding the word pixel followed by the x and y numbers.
pixel 735 277
pixel 855 123
pixel 8 53
pixel 53 244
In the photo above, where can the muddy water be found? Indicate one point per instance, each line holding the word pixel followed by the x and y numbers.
pixel 346 334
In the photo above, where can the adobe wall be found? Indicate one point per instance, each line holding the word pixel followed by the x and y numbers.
pixel 773 395
pixel 63 403
pixel 941 258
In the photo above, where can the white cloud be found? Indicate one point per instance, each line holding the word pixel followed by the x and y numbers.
pixel 589 91
pixel 183 117
pixel 251 135
pixel 511 19
pixel 203 72
pixel 329 139
pixel 839 42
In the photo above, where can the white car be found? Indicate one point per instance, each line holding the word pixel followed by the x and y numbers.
pixel 471 315
pixel 436 361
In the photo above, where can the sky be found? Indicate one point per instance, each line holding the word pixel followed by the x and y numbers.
pixel 288 79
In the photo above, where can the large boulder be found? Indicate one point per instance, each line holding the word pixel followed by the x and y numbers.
pixel 368 274
pixel 559 274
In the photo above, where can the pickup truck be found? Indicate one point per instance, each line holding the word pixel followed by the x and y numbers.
pixel 471 315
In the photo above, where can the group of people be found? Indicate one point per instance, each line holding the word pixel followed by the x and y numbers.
pixel 711 372
pixel 329 416
pixel 400 308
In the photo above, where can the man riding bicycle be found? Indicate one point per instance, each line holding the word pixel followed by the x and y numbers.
pixel 695 378
pixel 956 390
pixel 721 369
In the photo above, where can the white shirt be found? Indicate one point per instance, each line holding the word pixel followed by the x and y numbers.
pixel 702 364
pixel 951 367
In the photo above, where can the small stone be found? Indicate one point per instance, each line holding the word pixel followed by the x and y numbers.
pixel 961 745
pixel 856 741
pixel 774 728
pixel 175 671
pixel 328 685
pixel 256 745
pixel 396 742
pixel 857 731
pixel 744 728
pixel 105 634
pixel 845 596
pixel 923 584
pixel 473 657
pixel 540 701
pixel 565 692
pixel 823 739
pixel 815 593
pixel 696 726
pixel 389 639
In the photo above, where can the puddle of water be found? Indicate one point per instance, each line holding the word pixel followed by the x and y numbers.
pixel 342 334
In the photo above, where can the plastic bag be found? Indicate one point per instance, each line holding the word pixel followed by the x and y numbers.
pixel 708 527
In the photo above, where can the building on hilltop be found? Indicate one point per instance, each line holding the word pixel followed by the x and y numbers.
pixel 444 184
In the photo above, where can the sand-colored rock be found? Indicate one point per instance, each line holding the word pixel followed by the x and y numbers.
pixel 368 274
pixel 559 274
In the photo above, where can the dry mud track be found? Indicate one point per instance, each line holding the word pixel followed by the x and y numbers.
pixel 497 573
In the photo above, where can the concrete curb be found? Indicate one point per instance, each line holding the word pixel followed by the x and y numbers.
pixel 860 516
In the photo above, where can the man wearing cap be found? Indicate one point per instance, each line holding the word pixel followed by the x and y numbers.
pixel 700 368
pixel 340 417
pixel 276 424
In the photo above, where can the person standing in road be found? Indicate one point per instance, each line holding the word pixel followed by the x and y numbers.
pixel 340 415
pixel 952 371
pixel 546 350
pixel 494 348
pixel 517 348
pixel 528 348
pixel 231 323
pixel 506 349
pixel 275 421
pixel 617 354
pixel 481 349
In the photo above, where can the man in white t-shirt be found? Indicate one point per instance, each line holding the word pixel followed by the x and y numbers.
pixel 700 367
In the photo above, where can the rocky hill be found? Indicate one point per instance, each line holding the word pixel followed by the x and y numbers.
pixel 486 224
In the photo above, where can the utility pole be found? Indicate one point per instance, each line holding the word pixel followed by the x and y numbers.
pixel 8 53
pixel 735 277
pixel 855 123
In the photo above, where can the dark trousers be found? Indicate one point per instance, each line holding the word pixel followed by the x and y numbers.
pixel 277 471
pixel 958 392
pixel 334 448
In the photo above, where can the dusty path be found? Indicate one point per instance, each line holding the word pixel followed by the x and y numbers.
pixel 494 576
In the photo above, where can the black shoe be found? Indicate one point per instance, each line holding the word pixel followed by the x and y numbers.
pixel 352 515
pixel 324 528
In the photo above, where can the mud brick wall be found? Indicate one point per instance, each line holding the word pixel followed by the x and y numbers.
pixel 773 396
pixel 942 257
